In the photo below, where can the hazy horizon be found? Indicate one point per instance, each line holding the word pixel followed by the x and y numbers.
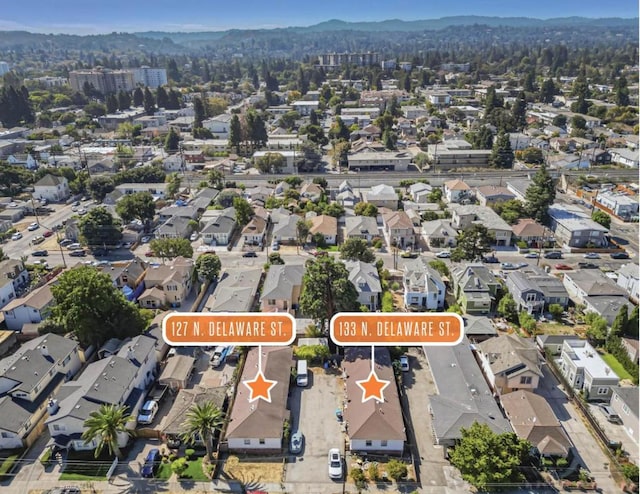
pixel 76 17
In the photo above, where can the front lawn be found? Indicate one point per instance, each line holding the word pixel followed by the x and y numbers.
pixel 84 466
pixel 616 366
pixel 193 472
pixel 164 471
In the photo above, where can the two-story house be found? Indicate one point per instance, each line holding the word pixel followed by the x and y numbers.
pixel 168 284
pixel 30 309
pixel 463 216
pixel 28 379
pixel 439 233
pixel 423 286
pixel 13 277
pixel 398 229
pixel 382 196
pixel 364 276
pixel 174 227
pixel 629 280
pixel 456 191
pixel 488 195
pixel 285 228
pixel 52 188
pixel 475 288
pixel 585 370
pixel 575 228
pixel 236 290
pixel 363 227
pixel 218 231
pixel 597 292
pixel 509 363
pixel 120 380
pixel 282 287
pixel 419 192
pixel 533 290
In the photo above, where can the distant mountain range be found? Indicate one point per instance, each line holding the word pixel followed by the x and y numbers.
pixel 387 37
pixel 398 25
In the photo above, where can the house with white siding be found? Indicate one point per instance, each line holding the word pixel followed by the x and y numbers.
pixel 373 426
pixel 257 427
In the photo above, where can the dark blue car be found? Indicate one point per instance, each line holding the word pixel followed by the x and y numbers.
pixel 151 463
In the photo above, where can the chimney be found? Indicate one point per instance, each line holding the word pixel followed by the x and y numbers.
pixel 44 350
pixel 131 355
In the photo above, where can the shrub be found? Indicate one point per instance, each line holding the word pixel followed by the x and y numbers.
pixel 556 311
pixel 387 302
pixel 396 469
pixel 630 471
pixel 562 463
pixel 373 472
pixel 377 244
pixel 357 475
pixel 395 286
pixel 188 453
pixel 179 466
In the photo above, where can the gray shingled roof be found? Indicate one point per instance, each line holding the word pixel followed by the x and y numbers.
pixel 366 273
pixel 281 280
pixel 463 394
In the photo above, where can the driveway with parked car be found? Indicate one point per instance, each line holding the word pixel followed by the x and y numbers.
pixel 313 414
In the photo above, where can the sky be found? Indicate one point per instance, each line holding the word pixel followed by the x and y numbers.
pixel 104 16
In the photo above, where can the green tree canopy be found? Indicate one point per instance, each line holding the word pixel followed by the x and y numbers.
pixel 501 153
pixel 201 422
pixel 170 248
pixel 540 195
pixel 91 307
pixel 106 425
pixel 356 249
pixel 270 163
pixel 601 218
pixel 99 187
pixel 366 209
pixel 472 243
pixel 244 211
pixel 487 459
pixel 172 141
pixel 139 205
pixel 98 228
pixel 507 308
pixel 208 266
pixel 326 290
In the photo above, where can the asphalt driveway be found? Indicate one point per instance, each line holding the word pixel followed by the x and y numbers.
pixel 313 413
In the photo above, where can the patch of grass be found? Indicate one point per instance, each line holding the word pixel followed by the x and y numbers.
pixel 164 471
pixel 7 463
pixel 194 471
pixel 84 466
pixel 616 366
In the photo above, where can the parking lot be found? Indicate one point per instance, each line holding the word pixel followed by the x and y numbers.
pixel 313 411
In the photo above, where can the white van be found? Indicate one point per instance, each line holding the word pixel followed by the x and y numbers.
pixel 302 374
pixel 218 356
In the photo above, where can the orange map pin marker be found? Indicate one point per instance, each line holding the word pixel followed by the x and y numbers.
pixel 260 387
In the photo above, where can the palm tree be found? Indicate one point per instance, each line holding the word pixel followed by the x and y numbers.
pixel 105 425
pixel 202 420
